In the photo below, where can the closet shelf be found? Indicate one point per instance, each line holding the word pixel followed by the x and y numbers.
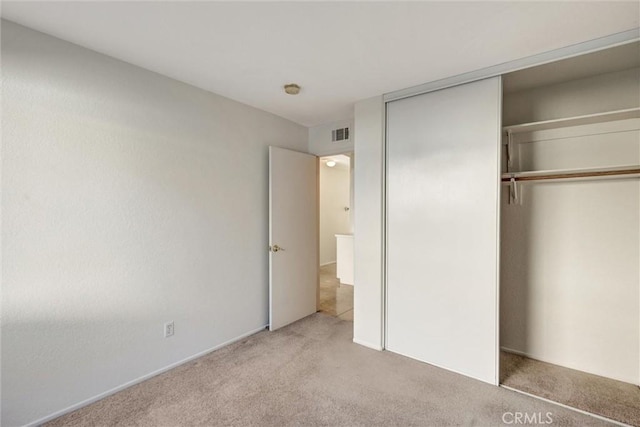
pixel 612 172
pixel 630 113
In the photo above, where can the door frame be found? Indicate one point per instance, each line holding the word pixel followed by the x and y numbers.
pixel 336 152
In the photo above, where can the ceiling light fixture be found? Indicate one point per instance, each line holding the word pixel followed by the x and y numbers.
pixel 292 89
pixel 331 163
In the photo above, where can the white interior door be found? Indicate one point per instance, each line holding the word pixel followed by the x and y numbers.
pixel 293 236
pixel 442 243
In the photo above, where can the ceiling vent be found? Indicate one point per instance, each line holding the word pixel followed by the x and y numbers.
pixel 341 134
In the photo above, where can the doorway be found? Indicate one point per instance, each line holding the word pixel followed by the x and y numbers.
pixel 336 236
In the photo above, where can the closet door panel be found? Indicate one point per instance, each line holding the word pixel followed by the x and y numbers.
pixel 442 227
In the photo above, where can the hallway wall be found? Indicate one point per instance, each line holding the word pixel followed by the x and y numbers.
pixel 334 197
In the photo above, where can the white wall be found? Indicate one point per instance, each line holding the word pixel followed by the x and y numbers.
pixel 320 142
pixel 368 221
pixel 128 200
pixel 334 197
pixel 570 274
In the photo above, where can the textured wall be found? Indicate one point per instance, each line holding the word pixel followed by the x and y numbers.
pixel 128 200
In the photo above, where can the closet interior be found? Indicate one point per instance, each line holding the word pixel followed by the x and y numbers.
pixel 570 232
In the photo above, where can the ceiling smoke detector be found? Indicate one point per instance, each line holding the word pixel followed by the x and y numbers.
pixel 292 89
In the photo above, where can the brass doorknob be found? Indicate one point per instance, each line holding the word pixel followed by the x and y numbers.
pixel 276 248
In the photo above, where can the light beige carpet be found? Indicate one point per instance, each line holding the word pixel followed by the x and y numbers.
pixel 603 396
pixel 312 374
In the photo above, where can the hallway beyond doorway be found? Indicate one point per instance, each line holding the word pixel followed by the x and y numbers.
pixel 335 299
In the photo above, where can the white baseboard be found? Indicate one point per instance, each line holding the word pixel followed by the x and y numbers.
pixel 368 345
pixel 518 352
pixel 138 380
pixel 545 360
pixel 327 263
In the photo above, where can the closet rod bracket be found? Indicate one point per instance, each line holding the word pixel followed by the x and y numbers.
pixel 509 150
pixel 513 191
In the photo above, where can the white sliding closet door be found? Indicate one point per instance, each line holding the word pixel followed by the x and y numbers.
pixel 442 223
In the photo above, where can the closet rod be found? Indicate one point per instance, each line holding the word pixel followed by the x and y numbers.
pixel 507 177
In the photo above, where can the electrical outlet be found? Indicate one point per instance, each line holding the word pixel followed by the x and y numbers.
pixel 168 329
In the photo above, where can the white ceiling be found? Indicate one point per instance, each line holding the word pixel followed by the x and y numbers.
pixel 339 52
